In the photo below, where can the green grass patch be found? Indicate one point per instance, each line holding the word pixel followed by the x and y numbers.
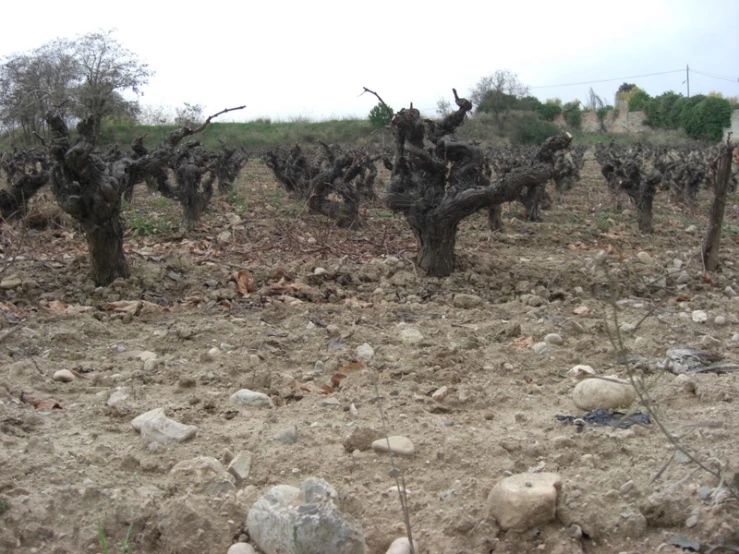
pixel 146 224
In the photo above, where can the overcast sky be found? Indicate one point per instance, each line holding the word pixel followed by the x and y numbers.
pixel 311 59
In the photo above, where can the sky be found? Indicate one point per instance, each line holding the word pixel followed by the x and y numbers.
pixel 295 59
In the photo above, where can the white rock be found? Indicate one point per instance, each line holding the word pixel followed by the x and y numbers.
pixel 119 397
pixel 250 399
pixel 138 421
pixel 579 372
pixel 224 237
pixel 403 546
pixel 524 501
pixel 466 301
pixel 288 435
pixel 202 474
pixel 728 291
pixel 364 352
pixel 699 316
pixel 10 282
pixel 319 271
pixel 440 393
pixel 719 321
pixel 683 278
pixel 540 348
pixel 288 520
pixel 708 340
pixel 150 364
pixel 398 445
pixel 240 548
pixel 157 428
pixel 627 327
pixel 411 335
pixel 63 376
pixel 691 229
pixel 605 393
pixel 240 466
pixel 644 258
pixel 735 337
pixel 234 219
pixel 146 355
pixel 554 338
pixel 677 263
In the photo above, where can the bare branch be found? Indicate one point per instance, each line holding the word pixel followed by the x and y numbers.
pixel 378 97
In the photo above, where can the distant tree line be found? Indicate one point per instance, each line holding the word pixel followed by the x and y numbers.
pixel 702 117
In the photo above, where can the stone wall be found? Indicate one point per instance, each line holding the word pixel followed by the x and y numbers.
pixel 619 121
pixel 734 127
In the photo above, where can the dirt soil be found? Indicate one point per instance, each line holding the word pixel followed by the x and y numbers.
pixel 285 299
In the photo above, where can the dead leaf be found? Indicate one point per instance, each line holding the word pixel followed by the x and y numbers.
pixel 356 303
pixel 326 389
pixel 522 342
pixel 337 378
pixel 56 306
pixel 244 284
pixel 352 366
pixel 133 307
pixel 305 387
pixel 40 402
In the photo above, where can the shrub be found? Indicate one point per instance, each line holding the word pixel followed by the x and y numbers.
pixel 638 101
pixel 707 118
pixel 381 115
pixel 662 113
pixel 549 110
pixel 572 114
pixel 531 129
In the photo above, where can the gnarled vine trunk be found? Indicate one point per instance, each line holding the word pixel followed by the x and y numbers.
pixel 85 190
pixel 437 187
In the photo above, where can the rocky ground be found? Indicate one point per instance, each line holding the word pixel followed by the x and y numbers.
pixel 348 343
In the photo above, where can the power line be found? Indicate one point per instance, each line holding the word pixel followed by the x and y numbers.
pixel 612 79
pixel 721 78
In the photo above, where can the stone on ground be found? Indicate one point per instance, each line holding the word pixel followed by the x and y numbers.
pixel 521 502
pixel 155 427
pixel 250 399
pixel 606 394
pixel 466 301
pixel 288 520
pixel 401 446
pixel 240 548
pixel 201 475
pixel 403 546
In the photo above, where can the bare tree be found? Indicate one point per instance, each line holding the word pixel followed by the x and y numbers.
pixel 78 78
pixel 189 115
pixel 497 94
pixel 33 83
pixel 106 70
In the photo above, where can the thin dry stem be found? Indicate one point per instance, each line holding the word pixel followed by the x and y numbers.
pixel 397 474
pixel 642 391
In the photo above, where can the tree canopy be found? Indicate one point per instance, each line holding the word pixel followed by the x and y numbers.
pixel 75 79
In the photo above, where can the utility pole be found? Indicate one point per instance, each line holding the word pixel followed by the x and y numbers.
pixel 687 78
